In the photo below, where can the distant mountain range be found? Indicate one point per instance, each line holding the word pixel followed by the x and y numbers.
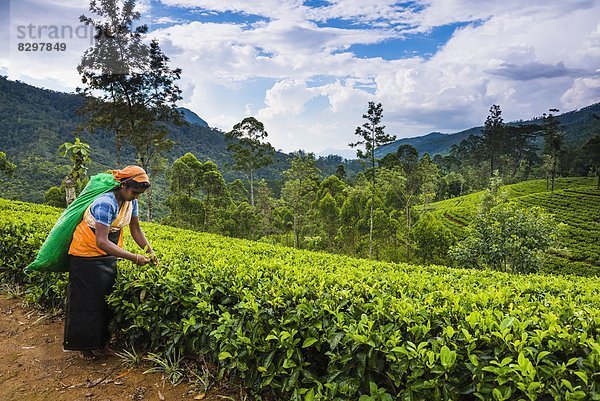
pixel 578 126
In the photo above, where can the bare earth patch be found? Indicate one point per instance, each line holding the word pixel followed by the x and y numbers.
pixel 33 366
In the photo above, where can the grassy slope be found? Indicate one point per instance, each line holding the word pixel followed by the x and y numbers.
pixel 575 203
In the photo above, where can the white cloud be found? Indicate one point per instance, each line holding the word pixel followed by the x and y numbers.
pixel 286 98
pixel 297 72
pixel 583 92
pixel 166 20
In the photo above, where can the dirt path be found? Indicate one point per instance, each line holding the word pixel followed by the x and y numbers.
pixel 34 367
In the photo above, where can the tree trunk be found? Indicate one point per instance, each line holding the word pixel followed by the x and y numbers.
pixel 70 189
pixel 295 232
pixel 372 200
pixel 149 213
pixel 371 232
pixel 251 188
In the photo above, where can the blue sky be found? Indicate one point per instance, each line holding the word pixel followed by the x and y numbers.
pixel 308 69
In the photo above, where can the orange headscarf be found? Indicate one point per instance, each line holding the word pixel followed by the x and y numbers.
pixel 134 173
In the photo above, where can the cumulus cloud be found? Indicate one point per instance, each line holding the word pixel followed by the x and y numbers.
pixel 166 20
pixel 584 91
pixel 297 67
pixel 286 98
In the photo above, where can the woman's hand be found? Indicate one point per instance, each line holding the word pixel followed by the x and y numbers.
pixel 154 259
pixel 150 252
pixel 141 260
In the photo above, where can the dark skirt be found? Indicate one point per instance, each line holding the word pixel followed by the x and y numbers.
pixel 87 315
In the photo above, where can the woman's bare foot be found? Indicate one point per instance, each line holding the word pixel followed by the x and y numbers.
pixel 87 355
pixel 108 352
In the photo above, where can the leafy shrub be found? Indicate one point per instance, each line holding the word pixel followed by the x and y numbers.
pixel 507 239
pixel 575 204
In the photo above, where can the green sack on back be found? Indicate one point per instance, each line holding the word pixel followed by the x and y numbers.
pixel 53 255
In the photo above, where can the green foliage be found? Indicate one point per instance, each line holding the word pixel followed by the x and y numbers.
pixel 6 167
pixel 299 192
pixel 130 357
pixel 329 212
pixel 23 228
pixel 553 143
pixel 592 149
pixel 508 239
pixel 309 325
pixel 130 88
pixel 433 240
pixel 578 210
pixel 55 196
pixel 199 195
pixel 373 136
pixel 169 366
pixel 79 153
pixel 494 140
pixel 250 152
pixel 574 204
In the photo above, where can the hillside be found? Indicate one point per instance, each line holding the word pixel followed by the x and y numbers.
pixel 34 122
pixel 578 126
pixel 433 143
pixel 191 117
pixel 575 203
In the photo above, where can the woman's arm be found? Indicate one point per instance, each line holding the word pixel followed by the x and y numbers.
pixel 140 238
pixel 104 243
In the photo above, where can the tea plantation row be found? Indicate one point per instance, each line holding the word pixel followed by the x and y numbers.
pixel 575 203
pixel 308 325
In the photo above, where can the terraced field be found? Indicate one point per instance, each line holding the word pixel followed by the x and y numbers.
pixel 575 203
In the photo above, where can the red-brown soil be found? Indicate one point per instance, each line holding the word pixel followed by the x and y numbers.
pixel 33 366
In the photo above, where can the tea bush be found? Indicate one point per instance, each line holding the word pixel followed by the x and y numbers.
pixel 575 203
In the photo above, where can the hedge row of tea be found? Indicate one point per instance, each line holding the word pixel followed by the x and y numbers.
pixel 309 325
pixel 575 203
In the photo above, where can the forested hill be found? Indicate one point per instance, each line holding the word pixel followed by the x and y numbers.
pixel 34 122
pixel 578 126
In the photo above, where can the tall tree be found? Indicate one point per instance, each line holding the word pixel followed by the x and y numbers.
pixel 521 152
pixel 494 137
pixel 373 136
pixel 553 141
pixel 592 149
pixel 299 190
pixel 79 153
pixel 430 179
pixel 130 88
pixel 184 175
pixel 250 152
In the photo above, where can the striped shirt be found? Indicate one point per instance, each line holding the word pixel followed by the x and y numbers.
pixel 105 208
